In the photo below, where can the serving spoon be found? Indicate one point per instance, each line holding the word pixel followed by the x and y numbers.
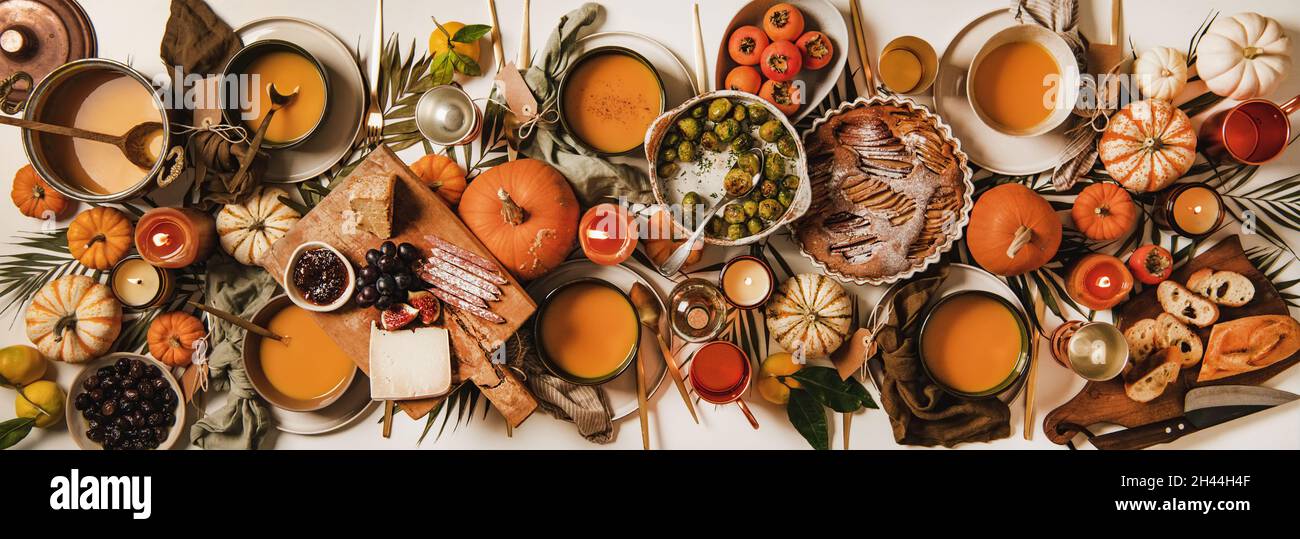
pixel 647 309
pixel 134 144
pixel 278 101
pixel 679 256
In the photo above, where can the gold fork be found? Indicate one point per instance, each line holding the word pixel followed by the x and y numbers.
pixel 374 116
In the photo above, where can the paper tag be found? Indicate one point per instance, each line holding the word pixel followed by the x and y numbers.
pixel 519 98
pixel 850 356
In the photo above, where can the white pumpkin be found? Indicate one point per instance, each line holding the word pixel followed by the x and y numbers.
pixel 1161 73
pixel 249 229
pixel 1244 56
pixel 811 313
pixel 73 319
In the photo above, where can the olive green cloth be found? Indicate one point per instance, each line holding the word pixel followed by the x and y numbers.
pixel 245 420
pixel 920 412
pixel 593 177
pixel 587 407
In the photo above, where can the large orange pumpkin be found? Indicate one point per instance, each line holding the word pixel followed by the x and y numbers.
pixel 34 197
pixel 525 213
pixel 172 337
pixel 100 237
pixel 1104 212
pixel 1148 145
pixel 442 174
pixel 1013 230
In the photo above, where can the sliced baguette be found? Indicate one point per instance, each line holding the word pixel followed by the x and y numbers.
pixel 1172 334
pixel 1141 338
pixel 1248 344
pixel 1186 306
pixel 1146 379
pixel 1223 287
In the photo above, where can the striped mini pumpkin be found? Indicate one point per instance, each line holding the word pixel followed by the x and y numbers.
pixel 810 312
pixel 1148 145
pixel 73 319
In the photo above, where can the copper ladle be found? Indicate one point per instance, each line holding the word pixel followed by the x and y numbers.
pixel 278 101
pixel 134 144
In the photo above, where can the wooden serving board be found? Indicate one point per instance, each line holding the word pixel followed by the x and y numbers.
pixel 417 212
pixel 1105 402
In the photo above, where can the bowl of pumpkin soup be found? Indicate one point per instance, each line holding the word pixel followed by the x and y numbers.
pixel 609 97
pixel 247 100
pixel 974 344
pixel 304 372
pixel 587 331
pixel 1024 81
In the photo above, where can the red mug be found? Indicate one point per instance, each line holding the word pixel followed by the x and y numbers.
pixel 720 374
pixel 1252 132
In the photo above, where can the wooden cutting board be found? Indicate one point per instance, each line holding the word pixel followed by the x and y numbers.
pixel 1105 402
pixel 417 212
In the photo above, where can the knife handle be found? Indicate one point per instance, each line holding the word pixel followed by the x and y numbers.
pixel 1145 436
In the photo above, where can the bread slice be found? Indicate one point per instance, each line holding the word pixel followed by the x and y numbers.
pixel 1248 344
pixel 1223 287
pixel 371 201
pixel 1141 338
pixel 1146 379
pixel 1172 334
pixel 1186 306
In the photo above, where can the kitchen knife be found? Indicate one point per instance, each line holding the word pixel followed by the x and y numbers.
pixel 1203 407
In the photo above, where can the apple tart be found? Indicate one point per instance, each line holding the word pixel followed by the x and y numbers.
pixel 891 190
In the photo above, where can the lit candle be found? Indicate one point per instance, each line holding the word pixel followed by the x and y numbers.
pixel 1100 281
pixel 1195 210
pixel 139 285
pixel 608 234
pixel 746 282
pixel 175 237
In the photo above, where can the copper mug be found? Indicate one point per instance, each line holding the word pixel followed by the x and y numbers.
pixel 736 384
pixel 1252 132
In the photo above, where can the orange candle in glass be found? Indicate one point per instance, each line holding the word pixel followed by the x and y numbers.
pixel 1100 282
pixel 608 234
pixel 175 237
pixel 1193 210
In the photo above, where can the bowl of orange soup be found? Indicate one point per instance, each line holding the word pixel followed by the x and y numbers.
pixel 974 344
pixel 609 97
pixel 247 100
pixel 1024 81
pixel 587 331
pixel 306 371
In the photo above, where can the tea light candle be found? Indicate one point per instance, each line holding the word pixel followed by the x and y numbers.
pixel 608 234
pixel 175 237
pixel 1193 210
pixel 746 282
pixel 1100 281
pixel 140 285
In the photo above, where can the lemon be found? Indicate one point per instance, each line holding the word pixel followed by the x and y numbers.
pixel 773 389
pixel 45 394
pixel 439 41
pixel 21 364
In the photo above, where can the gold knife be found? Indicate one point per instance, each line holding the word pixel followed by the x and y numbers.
pixel 641 400
pixel 676 373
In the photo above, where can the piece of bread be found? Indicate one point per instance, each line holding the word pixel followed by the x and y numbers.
pixel 1146 379
pixel 1141 338
pixel 1170 333
pixel 1248 344
pixel 1223 287
pixel 1186 306
pixel 371 201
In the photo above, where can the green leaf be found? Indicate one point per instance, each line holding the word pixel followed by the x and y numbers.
pixel 471 33
pixel 442 69
pixel 466 65
pixel 14 430
pixel 809 418
pixel 825 386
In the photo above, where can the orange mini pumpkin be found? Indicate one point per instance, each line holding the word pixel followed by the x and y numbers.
pixel 172 337
pixel 1013 230
pixel 1104 212
pixel 100 237
pixel 525 213
pixel 442 174
pixel 34 197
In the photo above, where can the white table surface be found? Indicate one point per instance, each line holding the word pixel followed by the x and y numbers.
pixel 130 30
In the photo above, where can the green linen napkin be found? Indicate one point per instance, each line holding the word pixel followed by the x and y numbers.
pixel 245 420
pixel 593 177
pixel 920 412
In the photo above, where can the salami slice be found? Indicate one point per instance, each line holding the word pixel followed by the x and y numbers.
pixel 463 305
pixel 489 279
pixel 459 251
pixel 449 287
pixel 448 273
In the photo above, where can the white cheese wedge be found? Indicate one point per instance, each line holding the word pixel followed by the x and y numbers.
pixel 409 363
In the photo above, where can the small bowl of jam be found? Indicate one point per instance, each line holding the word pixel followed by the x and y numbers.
pixel 319 278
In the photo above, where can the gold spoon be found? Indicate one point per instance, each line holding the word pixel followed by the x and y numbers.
pixel 233 319
pixel 134 144
pixel 278 101
pixel 647 308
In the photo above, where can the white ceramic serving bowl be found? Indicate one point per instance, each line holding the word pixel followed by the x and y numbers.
pixel 296 296
pixel 77 423
pixel 1066 92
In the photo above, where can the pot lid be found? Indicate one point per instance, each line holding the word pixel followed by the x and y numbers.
pixel 37 36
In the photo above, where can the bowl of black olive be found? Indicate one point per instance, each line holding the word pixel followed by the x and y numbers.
pixel 125 401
